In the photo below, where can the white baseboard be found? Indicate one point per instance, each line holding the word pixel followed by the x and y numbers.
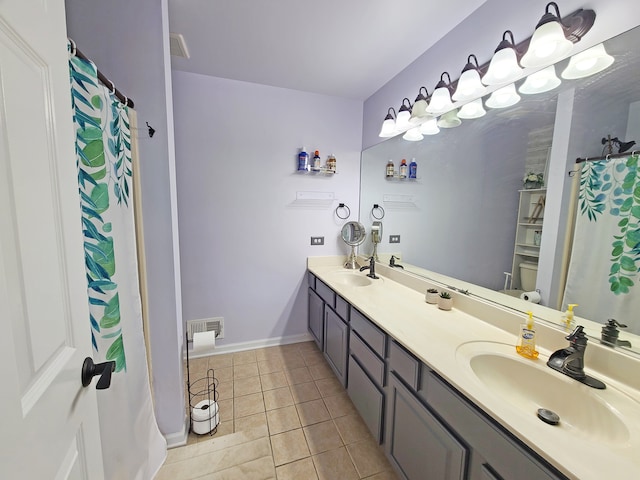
pixel 268 342
pixel 178 439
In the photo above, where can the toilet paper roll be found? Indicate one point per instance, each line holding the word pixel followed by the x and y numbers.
pixel 533 297
pixel 205 416
pixel 204 342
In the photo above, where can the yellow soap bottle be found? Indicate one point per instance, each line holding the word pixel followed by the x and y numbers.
pixel 567 318
pixel 527 342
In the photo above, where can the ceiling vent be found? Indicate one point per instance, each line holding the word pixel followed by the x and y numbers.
pixel 177 45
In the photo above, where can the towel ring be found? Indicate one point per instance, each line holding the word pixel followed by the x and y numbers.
pixel 341 207
pixel 375 208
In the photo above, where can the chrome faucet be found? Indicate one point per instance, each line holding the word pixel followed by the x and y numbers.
pixel 371 267
pixel 392 262
pixel 570 360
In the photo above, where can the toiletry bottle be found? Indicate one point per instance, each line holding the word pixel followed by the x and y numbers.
pixel 317 163
pixel 390 169
pixel 413 169
pixel 527 342
pixel 303 160
pixel 567 318
pixel 403 169
pixel 331 164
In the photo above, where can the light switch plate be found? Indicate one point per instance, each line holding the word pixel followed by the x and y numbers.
pixel 394 238
pixel 317 240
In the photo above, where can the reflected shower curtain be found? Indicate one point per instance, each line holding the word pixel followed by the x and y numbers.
pixel 132 445
pixel 603 273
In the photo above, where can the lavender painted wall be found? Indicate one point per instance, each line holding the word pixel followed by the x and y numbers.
pixel 129 43
pixel 243 238
pixel 480 33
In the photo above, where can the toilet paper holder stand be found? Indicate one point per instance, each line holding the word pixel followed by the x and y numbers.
pixel 205 388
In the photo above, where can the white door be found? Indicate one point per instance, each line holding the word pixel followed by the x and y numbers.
pixel 48 422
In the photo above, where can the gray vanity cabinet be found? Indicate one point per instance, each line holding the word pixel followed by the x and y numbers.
pixel 316 318
pixel 336 343
pixel 367 369
pixel 328 323
pixel 417 443
pixel 457 439
pixel 427 428
pixel 495 454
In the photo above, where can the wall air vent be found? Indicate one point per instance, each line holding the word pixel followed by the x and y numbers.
pixel 177 45
pixel 206 325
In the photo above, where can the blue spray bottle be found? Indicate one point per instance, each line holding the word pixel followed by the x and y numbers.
pixel 303 161
pixel 413 169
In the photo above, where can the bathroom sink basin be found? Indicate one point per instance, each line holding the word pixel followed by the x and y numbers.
pixel 353 279
pixel 530 385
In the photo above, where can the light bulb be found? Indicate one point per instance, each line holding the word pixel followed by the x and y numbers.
pixel 472 110
pixel 503 97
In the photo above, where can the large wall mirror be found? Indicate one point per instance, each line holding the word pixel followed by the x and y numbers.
pixel 459 216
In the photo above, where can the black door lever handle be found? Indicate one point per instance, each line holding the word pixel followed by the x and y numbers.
pixel 90 370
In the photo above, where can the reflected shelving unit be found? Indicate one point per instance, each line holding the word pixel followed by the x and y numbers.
pixel 528 230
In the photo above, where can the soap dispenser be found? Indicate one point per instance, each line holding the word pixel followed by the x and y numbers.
pixel 567 318
pixel 527 342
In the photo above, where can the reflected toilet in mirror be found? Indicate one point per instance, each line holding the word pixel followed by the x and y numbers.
pixel 353 234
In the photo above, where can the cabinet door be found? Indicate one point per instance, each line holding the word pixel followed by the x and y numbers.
pixel 316 318
pixel 367 398
pixel 336 343
pixel 417 443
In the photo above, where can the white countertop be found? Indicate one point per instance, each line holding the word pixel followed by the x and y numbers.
pixel 396 304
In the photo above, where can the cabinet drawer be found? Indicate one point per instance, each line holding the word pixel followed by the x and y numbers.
pixel 406 366
pixel 372 335
pixel 369 361
pixel 326 293
pixel 342 308
pixel 367 398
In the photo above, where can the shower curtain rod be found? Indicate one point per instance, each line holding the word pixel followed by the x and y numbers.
pixel 105 81
pixel 605 157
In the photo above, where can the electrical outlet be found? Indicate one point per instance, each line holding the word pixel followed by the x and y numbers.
pixel 394 238
pixel 317 240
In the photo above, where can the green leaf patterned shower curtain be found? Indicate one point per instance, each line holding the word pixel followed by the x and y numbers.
pixel 132 445
pixel 605 257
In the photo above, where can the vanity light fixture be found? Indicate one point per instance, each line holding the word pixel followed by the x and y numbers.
pixel 449 119
pixel 413 135
pixel 541 81
pixel 469 84
pixel 588 62
pixel 471 110
pixel 548 43
pixel 430 127
pixel 503 97
pixel 441 98
pixel 503 67
pixel 389 125
pixel 419 110
pixel 404 114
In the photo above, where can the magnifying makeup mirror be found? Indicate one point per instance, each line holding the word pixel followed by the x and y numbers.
pixel 353 234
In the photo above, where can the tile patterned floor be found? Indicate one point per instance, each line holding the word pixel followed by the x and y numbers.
pixel 284 415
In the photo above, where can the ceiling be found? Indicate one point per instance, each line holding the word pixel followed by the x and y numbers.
pixel 344 48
